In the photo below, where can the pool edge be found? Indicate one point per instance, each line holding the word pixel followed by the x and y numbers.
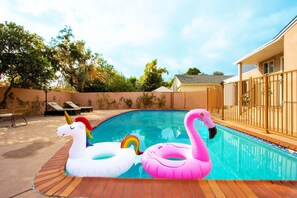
pixel 50 180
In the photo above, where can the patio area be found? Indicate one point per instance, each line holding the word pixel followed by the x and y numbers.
pixel 35 150
pixel 25 149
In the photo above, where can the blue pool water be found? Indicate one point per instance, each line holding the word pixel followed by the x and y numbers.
pixel 234 155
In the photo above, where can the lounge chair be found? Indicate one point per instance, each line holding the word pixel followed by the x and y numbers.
pixel 14 114
pixel 70 104
pixel 54 109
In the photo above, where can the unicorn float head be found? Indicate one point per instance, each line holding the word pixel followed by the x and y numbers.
pixel 85 121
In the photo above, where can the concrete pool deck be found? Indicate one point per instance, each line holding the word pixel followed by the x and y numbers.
pixel 24 150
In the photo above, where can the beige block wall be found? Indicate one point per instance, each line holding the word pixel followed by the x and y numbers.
pixel 116 99
pixel 196 100
pixel 290 49
pixel 174 100
pixel 34 98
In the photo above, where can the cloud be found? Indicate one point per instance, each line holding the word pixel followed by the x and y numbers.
pixel 180 34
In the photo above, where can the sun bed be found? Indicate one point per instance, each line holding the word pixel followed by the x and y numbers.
pixel 71 104
pixel 54 109
pixel 14 114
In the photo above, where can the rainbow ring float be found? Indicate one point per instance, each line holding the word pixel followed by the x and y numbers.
pixel 195 162
pixel 91 161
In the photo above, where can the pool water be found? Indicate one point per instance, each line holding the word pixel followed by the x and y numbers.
pixel 234 155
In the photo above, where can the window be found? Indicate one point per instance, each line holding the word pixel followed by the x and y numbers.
pixel 268 67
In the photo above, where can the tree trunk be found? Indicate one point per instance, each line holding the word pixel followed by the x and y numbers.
pixel 3 104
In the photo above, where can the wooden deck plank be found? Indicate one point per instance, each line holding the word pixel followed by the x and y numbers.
pixel 51 182
pixel 99 188
pixel 78 191
pixel 294 183
pixel 255 188
pixel 274 189
pixel 236 190
pixel 58 186
pixel 267 191
pixel 186 188
pixel 284 189
pixel 147 187
pixel 108 190
pixel 215 188
pixel 119 188
pixel 49 176
pixel 92 182
pixel 157 188
pixel 138 188
pixel 46 172
pixel 226 189
pixel 74 183
pixel 176 188
pixel 249 193
pixel 167 188
pixel 128 190
pixel 206 188
pixel 196 190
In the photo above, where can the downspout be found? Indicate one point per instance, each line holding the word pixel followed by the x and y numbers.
pixel 240 89
pixel 223 100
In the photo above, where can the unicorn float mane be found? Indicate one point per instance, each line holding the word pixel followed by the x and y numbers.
pixel 131 140
pixel 83 120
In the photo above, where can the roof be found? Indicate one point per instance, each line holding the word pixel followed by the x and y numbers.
pixel 201 79
pixel 162 89
pixel 275 46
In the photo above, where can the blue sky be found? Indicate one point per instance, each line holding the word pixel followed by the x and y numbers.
pixel 209 35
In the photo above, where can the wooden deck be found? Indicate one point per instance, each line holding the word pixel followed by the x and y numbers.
pixel 52 181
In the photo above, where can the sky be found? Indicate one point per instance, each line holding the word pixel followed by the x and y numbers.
pixel 181 34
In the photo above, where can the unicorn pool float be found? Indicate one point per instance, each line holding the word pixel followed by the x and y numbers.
pixel 106 159
pixel 194 162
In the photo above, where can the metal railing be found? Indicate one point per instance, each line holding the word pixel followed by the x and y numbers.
pixel 268 102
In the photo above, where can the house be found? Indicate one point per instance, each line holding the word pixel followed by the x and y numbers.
pixel 277 55
pixel 162 89
pixel 187 83
pixel 266 96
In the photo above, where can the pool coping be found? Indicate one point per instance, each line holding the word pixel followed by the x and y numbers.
pixel 262 136
pixel 51 180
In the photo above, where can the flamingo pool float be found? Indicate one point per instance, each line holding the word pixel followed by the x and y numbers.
pixel 194 161
pixel 106 159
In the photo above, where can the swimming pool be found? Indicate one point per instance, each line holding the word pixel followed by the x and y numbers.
pixel 234 155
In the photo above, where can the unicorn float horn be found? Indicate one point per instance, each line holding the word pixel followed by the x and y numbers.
pixel 68 118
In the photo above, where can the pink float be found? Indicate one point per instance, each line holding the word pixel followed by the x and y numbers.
pixel 194 161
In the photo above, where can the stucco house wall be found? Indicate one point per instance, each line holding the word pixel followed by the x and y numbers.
pixel 290 49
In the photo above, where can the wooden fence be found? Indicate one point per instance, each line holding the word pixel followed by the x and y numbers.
pixel 268 102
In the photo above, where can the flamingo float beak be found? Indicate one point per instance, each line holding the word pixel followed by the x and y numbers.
pixel 212 132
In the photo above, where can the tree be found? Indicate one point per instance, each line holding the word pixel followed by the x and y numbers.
pixel 73 57
pixel 193 71
pixel 218 73
pixel 152 78
pixel 119 83
pixel 24 59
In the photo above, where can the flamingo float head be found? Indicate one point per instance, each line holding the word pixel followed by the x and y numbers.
pixel 206 118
